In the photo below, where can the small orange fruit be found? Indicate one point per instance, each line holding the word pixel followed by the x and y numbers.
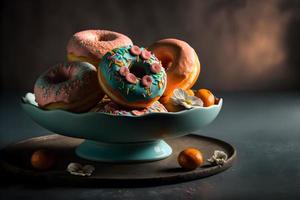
pixel 42 159
pixel 206 96
pixel 190 92
pixel 190 159
pixel 168 103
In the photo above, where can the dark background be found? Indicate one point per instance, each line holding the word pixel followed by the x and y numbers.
pixel 242 44
pixel 250 56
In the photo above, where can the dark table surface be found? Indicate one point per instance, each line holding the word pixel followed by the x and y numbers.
pixel 264 128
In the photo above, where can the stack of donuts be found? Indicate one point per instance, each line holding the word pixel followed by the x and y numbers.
pixel 106 72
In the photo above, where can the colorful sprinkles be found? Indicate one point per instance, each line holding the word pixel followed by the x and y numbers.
pixel 130 83
pixel 108 106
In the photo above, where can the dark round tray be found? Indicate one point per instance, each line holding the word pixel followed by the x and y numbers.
pixel 16 160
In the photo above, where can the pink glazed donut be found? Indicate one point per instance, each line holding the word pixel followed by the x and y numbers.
pixel 106 105
pixel 69 86
pixel 91 45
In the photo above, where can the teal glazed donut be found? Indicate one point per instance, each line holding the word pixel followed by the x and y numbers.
pixel 132 76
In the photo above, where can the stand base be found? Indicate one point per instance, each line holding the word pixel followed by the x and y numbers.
pixel 124 152
pixel 165 171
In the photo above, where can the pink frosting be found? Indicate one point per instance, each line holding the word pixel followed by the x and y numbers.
pixel 95 43
pixel 108 106
pixel 135 50
pixel 67 83
pixel 147 81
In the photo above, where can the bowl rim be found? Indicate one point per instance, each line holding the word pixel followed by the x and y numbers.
pixel 24 102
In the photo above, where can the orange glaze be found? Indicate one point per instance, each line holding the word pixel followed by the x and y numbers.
pixel 181 63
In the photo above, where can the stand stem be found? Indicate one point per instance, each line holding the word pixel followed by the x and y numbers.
pixel 124 152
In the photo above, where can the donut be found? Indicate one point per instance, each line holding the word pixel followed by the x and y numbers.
pixel 180 62
pixel 69 86
pixel 91 45
pixel 132 76
pixel 110 107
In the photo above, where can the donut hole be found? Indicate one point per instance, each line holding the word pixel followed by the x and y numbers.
pixel 55 78
pixel 138 69
pixel 107 37
pixel 166 61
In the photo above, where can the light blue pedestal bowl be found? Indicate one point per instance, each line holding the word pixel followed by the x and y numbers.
pixel 110 138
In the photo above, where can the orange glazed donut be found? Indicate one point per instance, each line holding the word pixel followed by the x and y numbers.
pixel 91 45
pixel 180 62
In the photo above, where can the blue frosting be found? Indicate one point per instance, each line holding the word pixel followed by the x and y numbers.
pixel 112 62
